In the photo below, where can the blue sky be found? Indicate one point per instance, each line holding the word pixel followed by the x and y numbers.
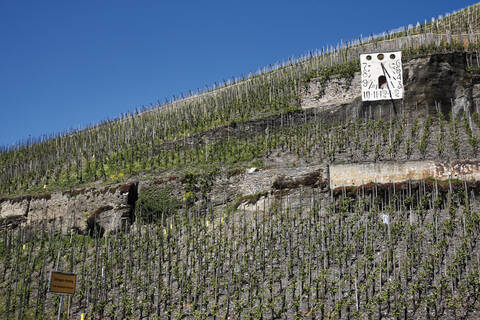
pixel 67 64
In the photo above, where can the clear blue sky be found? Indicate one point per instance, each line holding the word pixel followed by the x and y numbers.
pixel 65 64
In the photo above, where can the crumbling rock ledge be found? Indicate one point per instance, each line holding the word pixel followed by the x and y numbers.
pixel 87 210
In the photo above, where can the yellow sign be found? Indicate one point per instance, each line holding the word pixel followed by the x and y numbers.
pixel 63 283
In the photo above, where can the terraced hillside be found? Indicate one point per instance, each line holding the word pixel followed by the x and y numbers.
pixel 263 198
pixel 118 149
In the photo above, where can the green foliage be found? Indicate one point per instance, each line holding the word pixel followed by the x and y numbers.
pixel 341 262
pixel 249 199
pixel 199 182
pixel 155 204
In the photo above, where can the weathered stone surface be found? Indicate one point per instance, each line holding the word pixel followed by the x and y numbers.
pixel 296 198
pixel 392 172
pixel 432 82
pixel 335 91
pixel 273 186
pixel 80 210
pixel 264 180
pixel 476 97
pixel 14 208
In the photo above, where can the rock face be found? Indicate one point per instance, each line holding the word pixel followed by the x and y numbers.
pixel 432 82
pixel 357 174
pixel 335 91
pixel 268 186
pixel 92 210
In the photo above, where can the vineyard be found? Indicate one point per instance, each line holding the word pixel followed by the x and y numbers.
pixel 315 262
pixel 378 251
pixel 151 140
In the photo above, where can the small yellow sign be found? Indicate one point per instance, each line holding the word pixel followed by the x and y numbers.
pixel 63 283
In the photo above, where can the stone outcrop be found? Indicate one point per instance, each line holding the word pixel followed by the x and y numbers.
pixel 264 187
pixel 89 210
pixel 357 174
pixel 437 82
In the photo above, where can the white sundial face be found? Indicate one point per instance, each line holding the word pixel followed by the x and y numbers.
pixel 382 76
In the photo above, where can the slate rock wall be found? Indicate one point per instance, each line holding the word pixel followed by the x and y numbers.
pixel 80 210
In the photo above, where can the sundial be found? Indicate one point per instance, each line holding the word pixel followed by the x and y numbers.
pixel 382 77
